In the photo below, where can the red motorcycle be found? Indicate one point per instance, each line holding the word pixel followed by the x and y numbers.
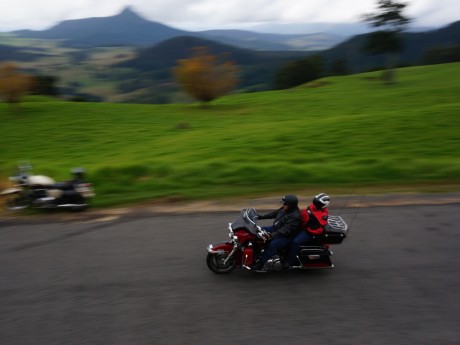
pixel 247 242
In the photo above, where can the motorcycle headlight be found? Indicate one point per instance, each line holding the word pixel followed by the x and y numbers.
pixel 232 236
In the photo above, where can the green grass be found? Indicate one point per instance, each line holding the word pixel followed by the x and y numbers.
pixel 336 133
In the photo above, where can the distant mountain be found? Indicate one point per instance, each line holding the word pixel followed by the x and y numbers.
pixel 342 30
pixel 338 29
pixel 130 29
pixel 264 41
pixel 126 28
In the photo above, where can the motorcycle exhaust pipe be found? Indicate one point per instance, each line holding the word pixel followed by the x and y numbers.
pixel 71 205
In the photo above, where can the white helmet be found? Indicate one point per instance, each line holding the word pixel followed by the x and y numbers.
pixel 321 200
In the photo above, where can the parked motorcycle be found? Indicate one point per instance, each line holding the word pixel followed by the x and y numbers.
pixel 247 242
pixel 39 191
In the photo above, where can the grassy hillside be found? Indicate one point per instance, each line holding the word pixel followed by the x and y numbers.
pixel 340 131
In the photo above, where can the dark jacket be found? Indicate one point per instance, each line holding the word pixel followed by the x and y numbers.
pixel 286 224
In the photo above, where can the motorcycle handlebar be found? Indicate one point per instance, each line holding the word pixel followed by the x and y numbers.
pixel 261 233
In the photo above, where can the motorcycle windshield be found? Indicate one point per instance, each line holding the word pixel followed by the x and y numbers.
pixel 246 220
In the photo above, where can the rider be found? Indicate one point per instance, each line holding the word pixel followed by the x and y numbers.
pixel 314 219
pixel 285 226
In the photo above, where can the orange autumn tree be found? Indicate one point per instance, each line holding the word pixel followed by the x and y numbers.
pixel 204 77
pixel 13 84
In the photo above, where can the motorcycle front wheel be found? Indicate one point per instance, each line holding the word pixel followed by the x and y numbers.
pixel 216 263
pixel 17 202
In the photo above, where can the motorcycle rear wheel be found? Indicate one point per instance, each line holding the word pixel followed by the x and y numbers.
pixel 216 263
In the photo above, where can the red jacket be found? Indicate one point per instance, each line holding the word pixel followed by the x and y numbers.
pixel 314 219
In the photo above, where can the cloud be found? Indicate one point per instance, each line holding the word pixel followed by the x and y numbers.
pixel 189 14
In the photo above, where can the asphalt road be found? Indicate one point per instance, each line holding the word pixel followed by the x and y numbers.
pixel 144 280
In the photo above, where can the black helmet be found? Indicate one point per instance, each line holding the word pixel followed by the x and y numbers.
pixel 290 200
pixel 321 200
pixel 78 172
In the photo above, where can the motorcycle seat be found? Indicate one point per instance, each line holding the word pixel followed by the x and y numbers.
pixel 62 186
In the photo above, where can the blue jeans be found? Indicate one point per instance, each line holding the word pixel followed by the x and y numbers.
pixel 302 238
pixel 274 246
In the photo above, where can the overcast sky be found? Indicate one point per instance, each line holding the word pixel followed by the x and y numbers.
pixel 216 14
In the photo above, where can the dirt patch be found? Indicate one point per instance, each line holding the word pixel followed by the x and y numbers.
pixel 318 83
pixel 379 78
pixel 4 184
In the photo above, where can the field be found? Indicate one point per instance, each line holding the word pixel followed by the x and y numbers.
pixel 334 133
pixel 81 71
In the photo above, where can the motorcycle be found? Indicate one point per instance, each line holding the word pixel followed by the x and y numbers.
pixel 248 240
pixel 39 191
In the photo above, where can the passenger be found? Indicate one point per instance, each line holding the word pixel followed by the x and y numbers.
pixel 314 219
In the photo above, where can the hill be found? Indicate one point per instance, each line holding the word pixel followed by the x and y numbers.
pixel 416 45
pixel 336 133
pixel 257 67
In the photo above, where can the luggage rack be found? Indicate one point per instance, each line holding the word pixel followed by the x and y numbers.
pixel 335 230
pixel 336 223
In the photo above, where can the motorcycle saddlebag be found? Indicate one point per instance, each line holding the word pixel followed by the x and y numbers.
pixel 335 231
pixel 315 257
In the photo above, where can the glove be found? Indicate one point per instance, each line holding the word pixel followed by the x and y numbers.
pixel 264 235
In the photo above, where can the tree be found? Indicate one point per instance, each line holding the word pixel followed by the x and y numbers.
pixel 387 40
pixel 339 67
pixel 13 84
pixel 438 55
pixel 45 85
pixel 205 78
pixel 299 72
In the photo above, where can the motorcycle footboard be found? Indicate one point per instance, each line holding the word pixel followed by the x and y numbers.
pixel 10 191
pixel 315 257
